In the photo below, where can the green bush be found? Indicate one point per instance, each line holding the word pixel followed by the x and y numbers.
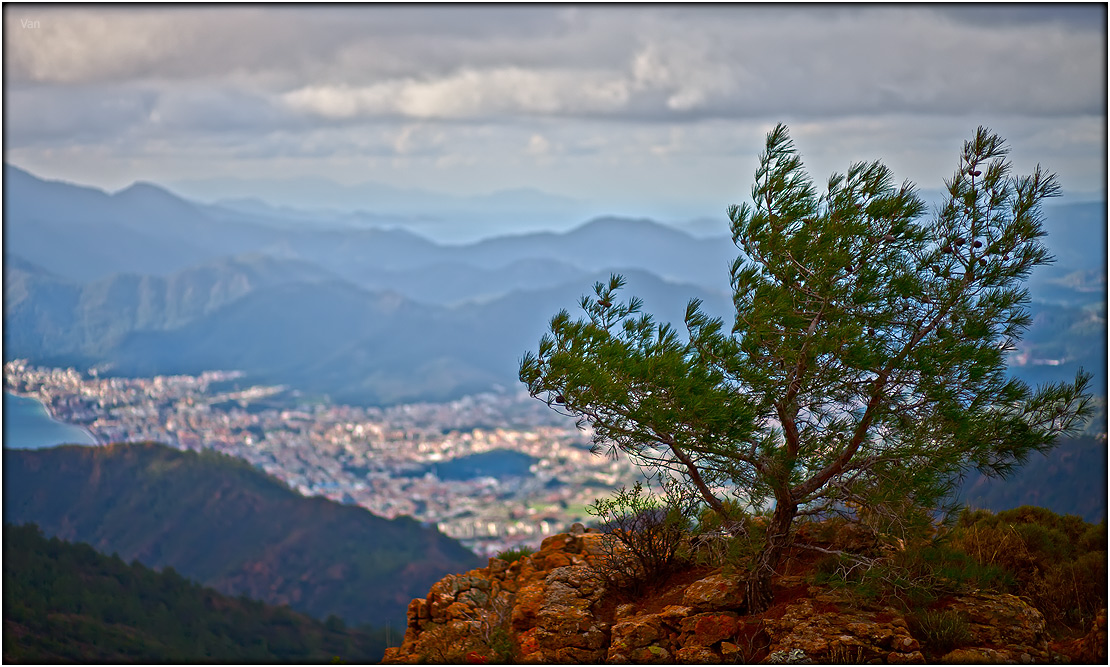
pixel 939 631
pixel 644 537
pixel 1058 562
pixel 516 553
pixel 1094 538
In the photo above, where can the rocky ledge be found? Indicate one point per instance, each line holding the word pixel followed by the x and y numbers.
pixel 551 607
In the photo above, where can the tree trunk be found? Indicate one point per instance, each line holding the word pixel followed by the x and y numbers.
pixel 759 593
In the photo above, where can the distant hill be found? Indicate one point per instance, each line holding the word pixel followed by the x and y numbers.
pixel 84 233
pixel 143 281
pixel 222 522
pixel 450 218
pixel 1070 479
pixel 288 322
pixel 609 242
pixel 67 603
pixel 454 283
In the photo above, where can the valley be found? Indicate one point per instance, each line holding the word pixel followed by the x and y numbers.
pixel 382 459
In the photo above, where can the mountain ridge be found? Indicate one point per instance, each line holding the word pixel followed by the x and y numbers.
pixel 97 314
pixel 65 602
pixel 230 526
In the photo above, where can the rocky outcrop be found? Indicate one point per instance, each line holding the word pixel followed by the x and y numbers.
pixel 825 627
pixel 551 607
pixel 1006 628
pixel 541 608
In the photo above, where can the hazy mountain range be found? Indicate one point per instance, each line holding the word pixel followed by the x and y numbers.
pixel 1069 479
pixel 448 217
pixel 142 281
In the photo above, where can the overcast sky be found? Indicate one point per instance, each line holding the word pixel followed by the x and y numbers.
pixel 641 107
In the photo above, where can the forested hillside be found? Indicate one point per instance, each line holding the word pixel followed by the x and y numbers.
pixel 67 603
pixel 222 522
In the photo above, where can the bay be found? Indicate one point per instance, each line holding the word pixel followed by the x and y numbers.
pixel 27 425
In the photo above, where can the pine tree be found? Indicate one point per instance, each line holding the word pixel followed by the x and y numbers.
pixel 865 366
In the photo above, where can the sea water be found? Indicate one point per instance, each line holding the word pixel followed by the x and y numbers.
pixel 27 425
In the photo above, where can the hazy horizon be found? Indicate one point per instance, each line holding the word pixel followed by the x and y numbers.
pixel 437 215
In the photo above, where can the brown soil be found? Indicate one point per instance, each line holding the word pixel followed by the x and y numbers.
pixel 663 593
pixel 672 590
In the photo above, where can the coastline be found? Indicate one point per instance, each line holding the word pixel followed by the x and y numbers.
pixel 54 417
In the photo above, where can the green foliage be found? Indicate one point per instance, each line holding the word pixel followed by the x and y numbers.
pixel 915 576
pixel 940 631
pixel 865 364
pixel 501 644
pixel 516 553
pixel 644 537
pixel 1058 562
pixel 65 602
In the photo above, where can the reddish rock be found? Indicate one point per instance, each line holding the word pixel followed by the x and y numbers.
pixel 418 609
pixel 673 614
pixel 552 607
pixel 1091 648
pixel 651 655
pixel 914 658
pixel 715 593
pixel 1006 622
pixel 528 643
pixel 708 629
pixel 697 655
pixel 554 560
pixel 974 656
pixel 458 611
pixel 852 632
pixel 637 632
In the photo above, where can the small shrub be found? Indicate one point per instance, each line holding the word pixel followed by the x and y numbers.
pixel 1070 593
pixel 836 570
pixel 644 537
pixel 515 554
pixel 959 570
pixel 940 631
pixel 501 643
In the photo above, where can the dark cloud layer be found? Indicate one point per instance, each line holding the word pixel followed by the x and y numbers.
pixel 535 81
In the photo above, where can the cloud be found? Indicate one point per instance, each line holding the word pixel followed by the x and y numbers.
pixel 66 114
pixel 467 94
pixel 73 114
pixel 538 145
pixel 649 94
pixel 747 62
pixel 640 63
